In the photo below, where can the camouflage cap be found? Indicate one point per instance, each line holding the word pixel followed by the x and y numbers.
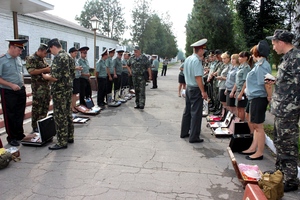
pixel 53 42
pixel 282 35
pixel 136 48
pixel 43 47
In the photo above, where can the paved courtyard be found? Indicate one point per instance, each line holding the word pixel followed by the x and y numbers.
pixel 130 154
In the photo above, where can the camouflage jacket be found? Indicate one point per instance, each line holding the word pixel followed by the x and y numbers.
pixel 36 62
pixel 286 96
pixel 63 67
pixel 139 65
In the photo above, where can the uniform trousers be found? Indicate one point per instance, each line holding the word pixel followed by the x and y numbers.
pixel 125 80
pixel 139 83
pixel 13 106
pixel 164 70
pixel 154 78
pixel 117 83
pixel 85 90
pixel 101 90
pixel 192 115
pixel 286 137
pixel 40 103
pixel 109 84
pixel 62 114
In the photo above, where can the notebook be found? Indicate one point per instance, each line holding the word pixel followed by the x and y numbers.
pixel 46 129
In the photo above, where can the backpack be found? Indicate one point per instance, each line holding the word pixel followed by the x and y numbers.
pixel 272 185
pixel 5 158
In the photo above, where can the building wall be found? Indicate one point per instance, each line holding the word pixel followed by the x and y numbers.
pixel 36 29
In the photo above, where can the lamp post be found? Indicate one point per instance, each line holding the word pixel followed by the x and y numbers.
pixel 95 26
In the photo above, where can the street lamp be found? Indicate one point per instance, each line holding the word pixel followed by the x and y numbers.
pixel 95 26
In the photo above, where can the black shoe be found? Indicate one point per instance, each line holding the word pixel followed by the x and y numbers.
pixel 184 136
pixel 136 107
pixel 14 143
pixel 146 84
pixel 142 107
pixel 257 158
pixel 153 88
pixel 71 141
pixel 57 147
pixel 196 141
pixel 250 153
pixel 290 187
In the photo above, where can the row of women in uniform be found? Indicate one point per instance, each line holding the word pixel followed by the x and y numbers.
pixel 243 91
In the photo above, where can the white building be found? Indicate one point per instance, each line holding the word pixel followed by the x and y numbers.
pixel 40 27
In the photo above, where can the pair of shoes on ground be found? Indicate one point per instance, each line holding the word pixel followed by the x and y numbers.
pixel 139 107
pixel 199 140
pixel 290 187
pixel 58 147
pixel 14 142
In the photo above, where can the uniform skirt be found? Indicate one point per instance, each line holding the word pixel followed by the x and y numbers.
pixel 181 79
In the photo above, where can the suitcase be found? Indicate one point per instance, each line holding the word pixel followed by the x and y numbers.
pixel 226 132
pixel 240 142
pixel 217 118
pixel 253 192
pixel 222 124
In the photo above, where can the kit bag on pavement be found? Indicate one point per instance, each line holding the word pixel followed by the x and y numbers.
pixel 5 158
pixel 272 185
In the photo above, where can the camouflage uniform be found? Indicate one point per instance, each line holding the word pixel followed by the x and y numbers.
pixel 138 67
pixel 285 105
pixel 40 89
pixel 62 69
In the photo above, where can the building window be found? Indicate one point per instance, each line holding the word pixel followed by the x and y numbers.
pixel 25 52
pixel 45 41
pixel 64 45
pixel 97 53
pixel 77 46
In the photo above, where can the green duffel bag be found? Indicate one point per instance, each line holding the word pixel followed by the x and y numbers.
pixel 272 185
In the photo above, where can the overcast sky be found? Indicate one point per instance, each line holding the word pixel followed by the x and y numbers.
pixel 68 9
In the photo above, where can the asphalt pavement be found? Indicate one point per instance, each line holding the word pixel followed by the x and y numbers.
pixel 129 154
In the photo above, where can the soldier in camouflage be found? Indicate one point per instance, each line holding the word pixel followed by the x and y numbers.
pixel 285 105
pixel 62 74
pixel 36 65
pixel 139 64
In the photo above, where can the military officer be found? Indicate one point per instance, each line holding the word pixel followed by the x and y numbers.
pixel 36 65
pixel 61 76
pixel 155 65
pixel 110 71
pixel 85 86
pixel 195 93
pixel 13 94
pixel 118 68
pixel 285 105
pixel 139 63
pixel 101 74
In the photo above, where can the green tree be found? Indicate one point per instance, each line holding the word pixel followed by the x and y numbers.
pixel 212 20
pixel 159 38
pixel 109 13
pixel 140 14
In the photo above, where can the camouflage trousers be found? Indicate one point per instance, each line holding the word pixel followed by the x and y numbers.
pixel 40 103
pixel 139 84
pixel 286 137
pixel 63 116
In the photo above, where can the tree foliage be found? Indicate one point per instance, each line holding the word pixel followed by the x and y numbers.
pixel 140 14
pixel 211 20
pixel 109 13
pixel 152 33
